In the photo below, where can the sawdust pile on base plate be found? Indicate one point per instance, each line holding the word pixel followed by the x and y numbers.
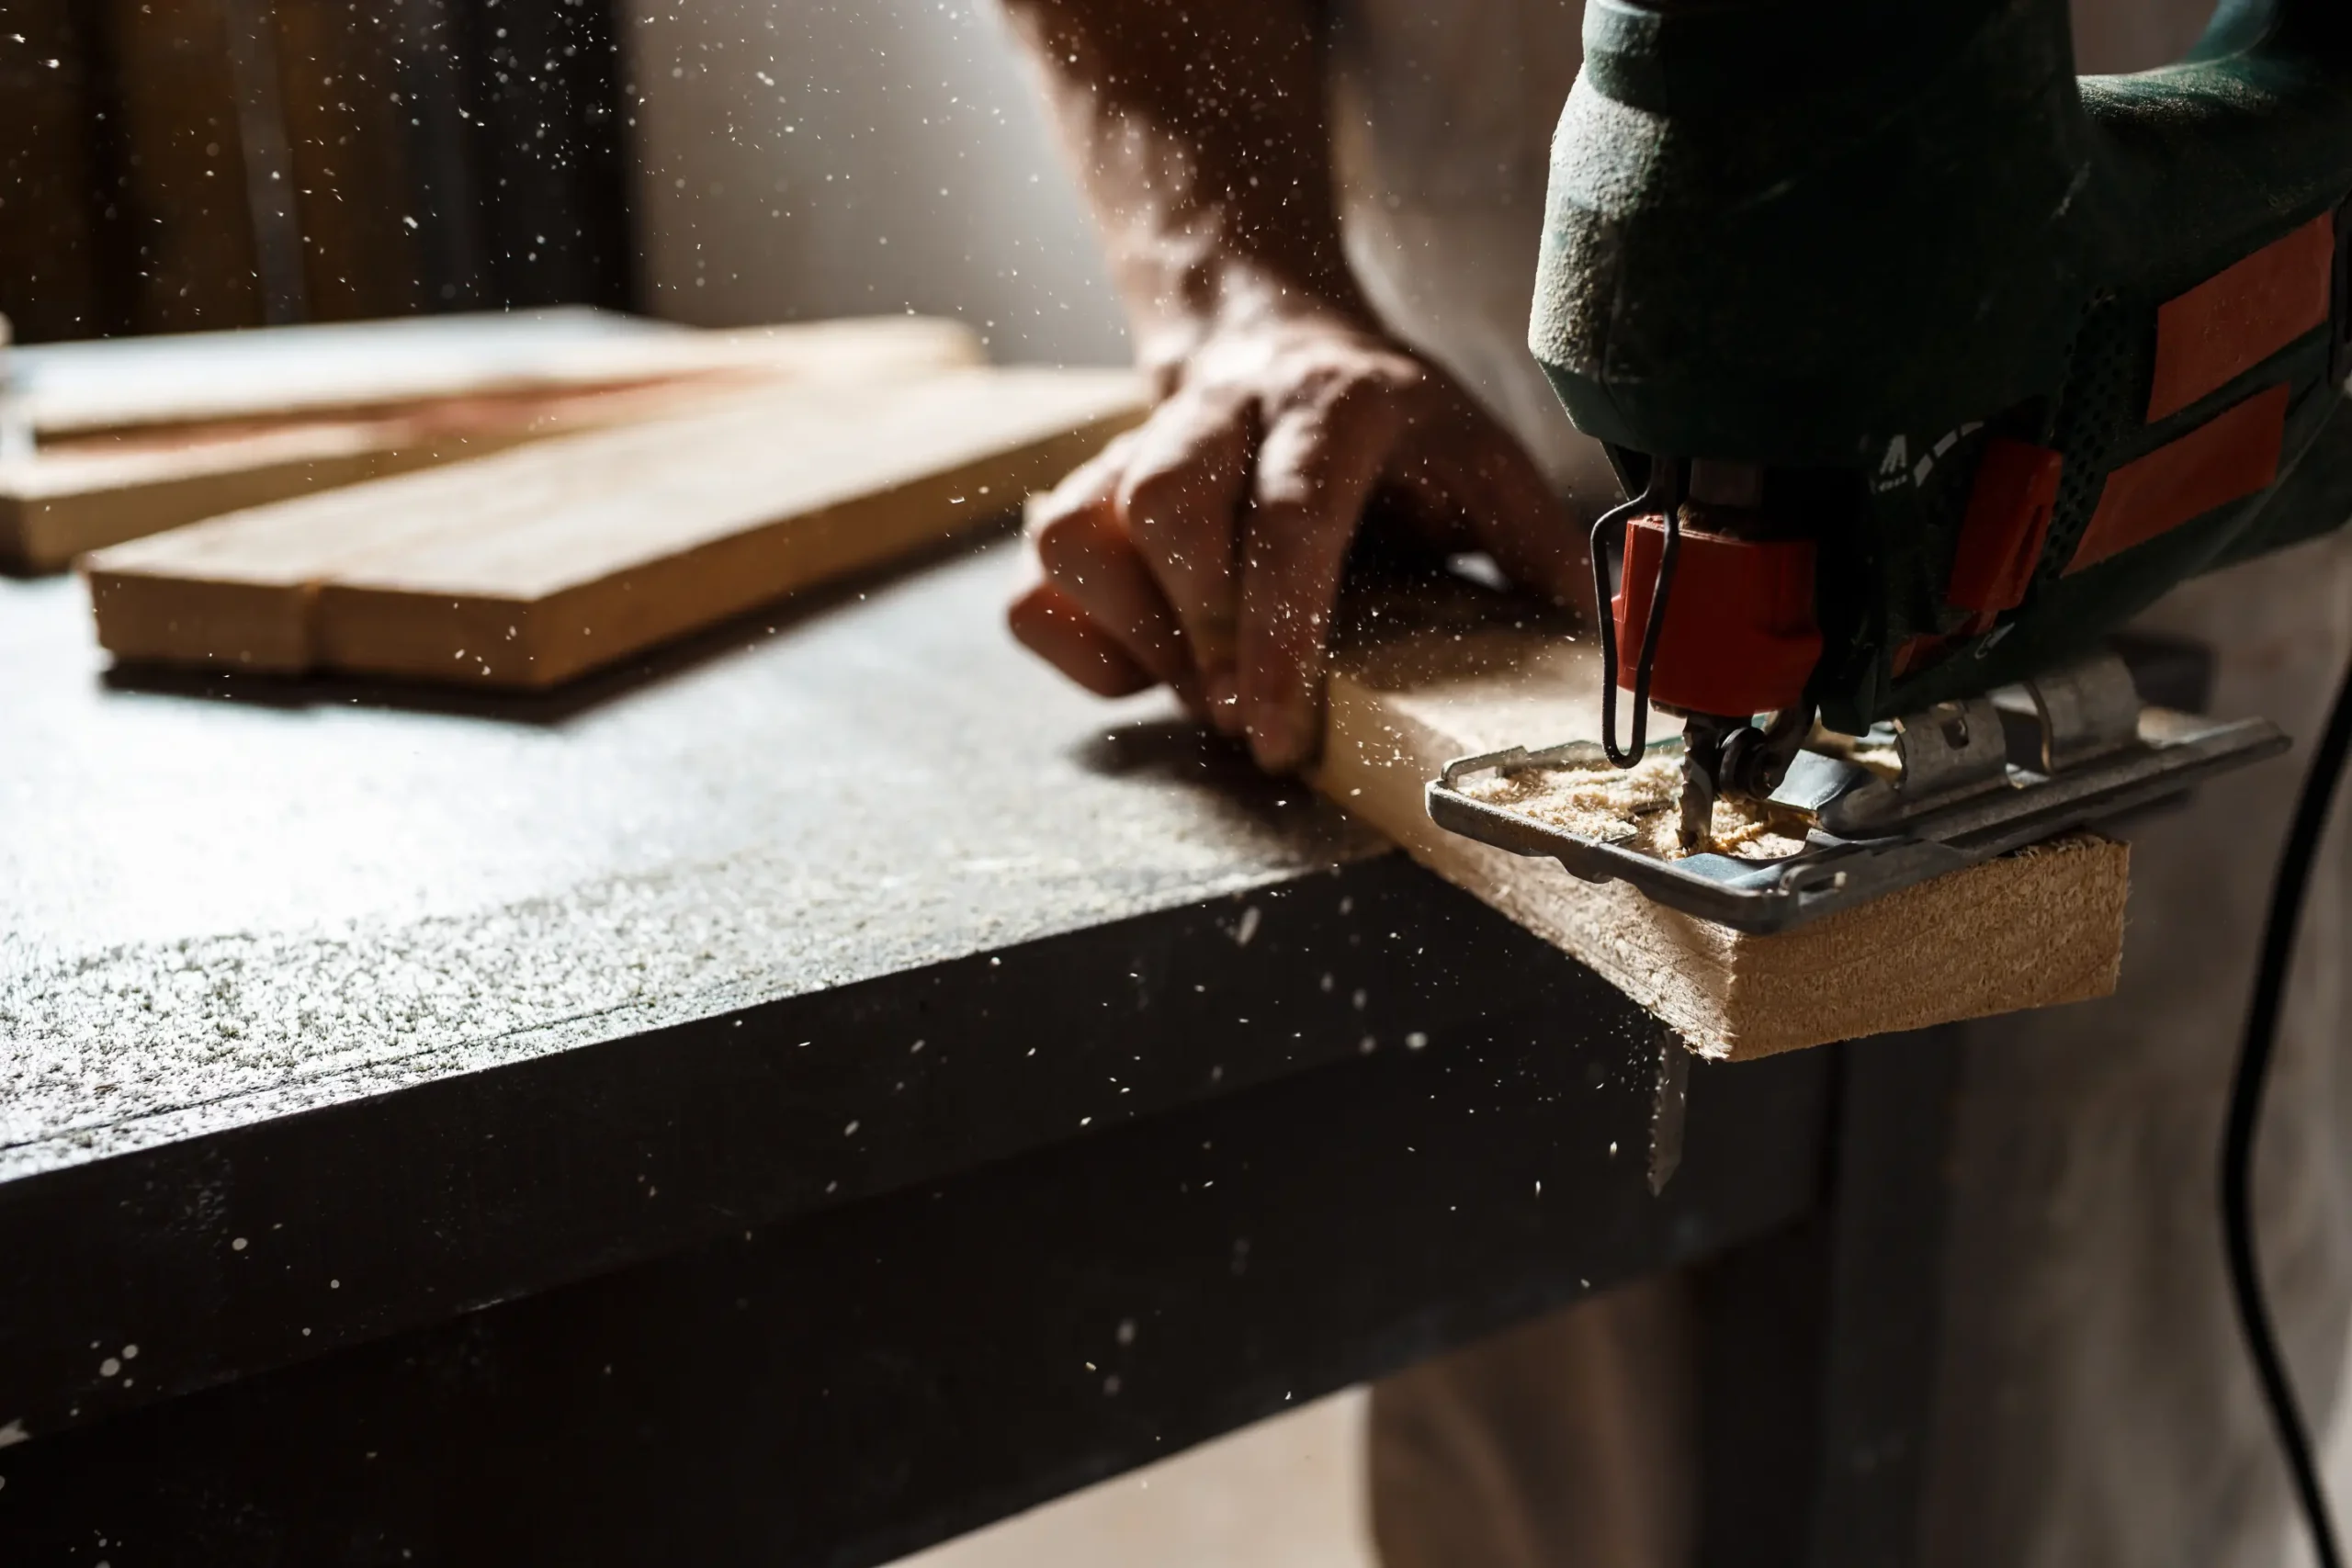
pixel 1635 806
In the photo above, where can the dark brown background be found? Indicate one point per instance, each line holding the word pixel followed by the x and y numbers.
pixel 181 164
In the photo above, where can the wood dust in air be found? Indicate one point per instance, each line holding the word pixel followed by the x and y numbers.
pixel 1635 806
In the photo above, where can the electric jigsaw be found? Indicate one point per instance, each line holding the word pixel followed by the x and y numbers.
pixel 1925 364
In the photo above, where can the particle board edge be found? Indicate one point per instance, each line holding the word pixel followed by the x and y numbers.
pixel 2044 927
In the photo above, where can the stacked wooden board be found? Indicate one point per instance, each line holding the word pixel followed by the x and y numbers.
pixel 352 368
pixel 1435 681
pixel 137 436
pixel 530 568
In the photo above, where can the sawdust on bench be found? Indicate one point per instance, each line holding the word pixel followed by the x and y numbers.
pixel 1635 807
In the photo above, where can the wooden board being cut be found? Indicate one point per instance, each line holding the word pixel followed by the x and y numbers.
pixel 533 567
pixel 2032 929
pixel 284 424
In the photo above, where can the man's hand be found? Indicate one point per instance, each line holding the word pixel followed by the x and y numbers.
pixel 1205 549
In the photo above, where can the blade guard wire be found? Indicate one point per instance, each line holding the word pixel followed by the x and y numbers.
pixel 1663 492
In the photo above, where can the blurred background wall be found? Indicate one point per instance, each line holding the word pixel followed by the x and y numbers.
pixel 173 164
pixel 180 164
pixel 839 157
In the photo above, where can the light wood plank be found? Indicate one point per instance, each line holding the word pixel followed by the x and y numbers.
pixel 103 492
pixel 288 423
pixel 79 390
pixel 528 569
pixel 2033 929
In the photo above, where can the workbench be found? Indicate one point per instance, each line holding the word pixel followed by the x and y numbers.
pixel 811 1093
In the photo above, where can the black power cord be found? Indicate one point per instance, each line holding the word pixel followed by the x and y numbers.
pixel 2246 1111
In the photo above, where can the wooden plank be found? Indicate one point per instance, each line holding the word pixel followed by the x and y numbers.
pixel 528 569
pixel 2032 929
pixel 86 491
pixel 53 508
pixel 93 493
pixel 350 369
pixel 240 590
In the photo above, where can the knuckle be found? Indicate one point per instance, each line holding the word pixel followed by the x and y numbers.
pixel 1154 497
pixel 1344 387
pixel 1348 391
pixel 1403 371
pixel 1289 493
pixel 1063 540
pixel 1082 488
pixel 1321 381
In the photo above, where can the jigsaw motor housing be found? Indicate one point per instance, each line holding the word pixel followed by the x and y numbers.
pixel 2008 353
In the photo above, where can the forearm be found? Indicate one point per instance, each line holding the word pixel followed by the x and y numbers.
pixel 1198 131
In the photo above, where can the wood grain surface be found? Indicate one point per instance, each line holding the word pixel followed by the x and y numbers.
pixel 145 435
pixel 350 369
pixel 530 568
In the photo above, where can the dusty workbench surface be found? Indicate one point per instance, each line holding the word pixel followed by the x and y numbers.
pixel 231 899
pixel 802 1051
pixel 328 1013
